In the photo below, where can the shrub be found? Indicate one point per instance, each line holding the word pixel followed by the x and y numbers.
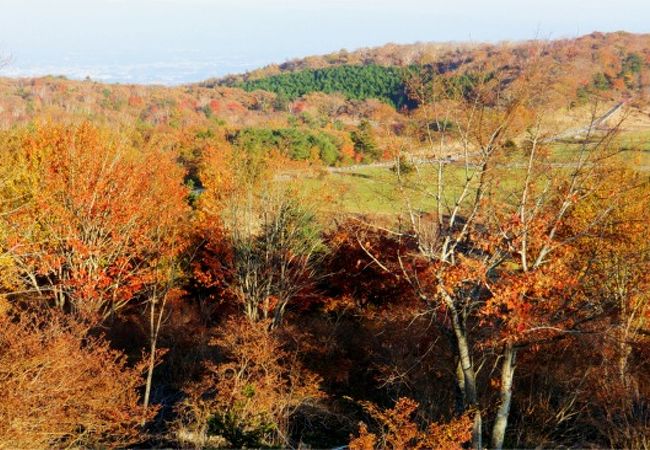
pixel 248 399
pixel 403 166
pixel 62 388
pixel 398 430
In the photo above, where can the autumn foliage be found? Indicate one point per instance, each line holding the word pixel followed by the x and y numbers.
pixel 63 388
pixel 399 430
pixel 187 267
pixel 94 220
pixel 250 397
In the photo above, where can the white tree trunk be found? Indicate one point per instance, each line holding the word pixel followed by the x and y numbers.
pixel 467 367
pixel 507 374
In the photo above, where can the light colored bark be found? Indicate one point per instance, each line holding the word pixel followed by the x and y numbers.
pixel 155 322
pixel 501 420
pixel 467 368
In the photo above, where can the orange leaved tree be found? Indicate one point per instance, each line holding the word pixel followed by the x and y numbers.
pixel 91 220
pixel 493 261
pixel 90 224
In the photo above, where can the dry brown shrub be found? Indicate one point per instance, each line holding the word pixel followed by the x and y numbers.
pixel 250 397
pixel 63 388
pixel 398 430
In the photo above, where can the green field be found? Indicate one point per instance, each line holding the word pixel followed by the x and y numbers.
pixel 377 190
pixel 634 150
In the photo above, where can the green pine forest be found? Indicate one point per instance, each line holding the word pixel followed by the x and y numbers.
pixel 355 82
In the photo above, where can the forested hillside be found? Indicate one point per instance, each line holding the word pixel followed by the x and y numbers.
pixel 291 259
pixel 611 63
pixel 356 82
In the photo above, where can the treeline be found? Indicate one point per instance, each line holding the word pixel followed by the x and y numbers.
pixel 626 75
pixel 331 147
pixel 296 143
pixel 612 64
pixel 355 82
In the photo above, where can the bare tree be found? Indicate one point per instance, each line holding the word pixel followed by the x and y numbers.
pixel 276 250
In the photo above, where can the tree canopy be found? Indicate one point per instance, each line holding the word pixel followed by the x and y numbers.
pixel 355 82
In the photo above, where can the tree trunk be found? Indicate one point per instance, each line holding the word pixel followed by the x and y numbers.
pixel 477 431
pixel 507 374
pixel 468 370
pixel 155 321
pixel 153 338
pixel 461 401
pixel 150 368
pixel 467 367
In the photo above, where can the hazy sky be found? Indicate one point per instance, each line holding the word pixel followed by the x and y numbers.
pixel 174 41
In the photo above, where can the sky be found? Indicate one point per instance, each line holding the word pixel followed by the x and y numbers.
pixel 179 41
